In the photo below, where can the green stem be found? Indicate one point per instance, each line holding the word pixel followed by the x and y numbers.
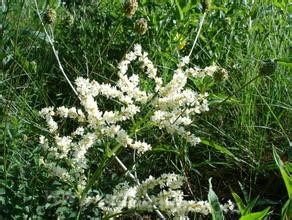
pixel 274 115
pixel 106 160
pixel 79 212
pixel 241 88
pixel 198 33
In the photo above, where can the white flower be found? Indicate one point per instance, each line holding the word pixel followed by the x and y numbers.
pixel 141 147
pixel 53 126
pixel 123 138
pixel 63 144
pixel 137 49
pixel 79 131
pixel 45 112
pixel 131 56
pixel 184 61
pixel 169 200
pixel 111 131
pixel 42 139
pixel 171 108
pixel 62 111
pixel 110 117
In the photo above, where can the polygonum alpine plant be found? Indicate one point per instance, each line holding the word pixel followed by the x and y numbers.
pixel 171 108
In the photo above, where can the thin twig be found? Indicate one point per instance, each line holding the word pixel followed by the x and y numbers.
pixel 241 88
pixel 54 49
pixel 198 33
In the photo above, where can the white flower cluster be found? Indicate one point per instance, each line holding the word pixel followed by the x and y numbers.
pixel 172 107
pixel 207 71
pixel 169 200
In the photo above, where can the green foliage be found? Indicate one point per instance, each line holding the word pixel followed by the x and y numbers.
pixel 220 148
pixel 256 215
pixel 214 202
pixel 92 37
pixel 285 62
pixel 285 170
pixel 246 210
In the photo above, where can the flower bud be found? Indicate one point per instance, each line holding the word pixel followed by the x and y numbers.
pixel 130 7
pixel 206 5
pixel 268 67
pixel 50 16
pixel 141 26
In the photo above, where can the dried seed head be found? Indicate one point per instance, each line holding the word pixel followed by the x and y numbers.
pixel 206 5
pixel 220 75
pixel 268 67
pixel 130 7
pixel 50 16
pixel 141 26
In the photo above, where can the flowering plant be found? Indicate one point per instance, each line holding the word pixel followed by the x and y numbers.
pixel 169 107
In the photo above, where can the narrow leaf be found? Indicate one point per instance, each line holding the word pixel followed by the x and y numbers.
pixel 250 205
pixel 286 211
pixel 256 215
pixel 220 148
pixel 285 175
pixel 180 11
pixel 213 200
pixel 239 203
pixel 285 61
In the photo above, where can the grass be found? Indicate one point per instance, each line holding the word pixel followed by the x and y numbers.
pixel 239 133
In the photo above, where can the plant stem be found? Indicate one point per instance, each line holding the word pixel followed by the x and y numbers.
pixel 54 50
pixel 241 88
pixel 95 176
pixel 198 33
pixel 276 118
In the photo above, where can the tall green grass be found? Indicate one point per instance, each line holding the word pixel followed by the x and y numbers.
pixel 239 134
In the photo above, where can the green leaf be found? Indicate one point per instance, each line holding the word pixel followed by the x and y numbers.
pixel 250 205
pixel 244 192
pixel 285 61
pixel 225 10
pixel 289 8
pixel 280 4
pixel 2 200
pixel 256 216
pixel 213 200
pixel 286 211
pixel 239 203
pixel 285 175
pixel 218 98
pixel 165 149
pixel 220 148
pixel 180 11
pixel 188 7
pixel 54 3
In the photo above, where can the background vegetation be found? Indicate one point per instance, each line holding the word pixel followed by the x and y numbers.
pixel 92 37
